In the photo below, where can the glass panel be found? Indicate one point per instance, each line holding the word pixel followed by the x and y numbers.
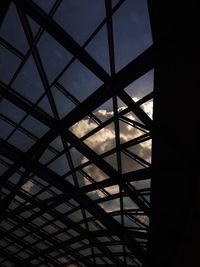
pixel 34 126
pixel 34 26
pixel 142 150
pixel 63 237
pixel 112 160
pixel 80 18
pixel 141 87
pixel 98 49
pixel 45 105
pixel 21 141
pixel 24 254
pixel 142 184
pixel 6 129
pixel 63 208
pixel 31 187
pixel 28 82
pixel 148 108
pixel 51 229
pixel 111 205
pixel 8 64
pixel 60 165
pixel 12 30
pixel 128 164
pixel 63 104
pixel 3 168
pixel 132 33
pixel 53 55
pixel 127 131
pixel 47 156
pixel 76 216
pixel 77 157
pixel 103 140
pixel 83 127
pixel 129 204
pixel 79 80
pixel 105 111
pixel 114 2
pixel 46 5
pixel 11 111
pixel 93 171
pixel 44 195
pixel 57 144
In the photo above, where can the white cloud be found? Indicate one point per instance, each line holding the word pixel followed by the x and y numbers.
pixel 104 140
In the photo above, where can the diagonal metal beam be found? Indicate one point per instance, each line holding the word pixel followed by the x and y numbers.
pixel 57 32
pixel 128 74
pixel 51 177
pixel 136 109
pixel 105 167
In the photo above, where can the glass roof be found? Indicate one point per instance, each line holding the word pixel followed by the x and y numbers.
pixel 76 86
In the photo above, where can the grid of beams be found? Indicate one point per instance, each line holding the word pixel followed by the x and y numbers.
pixel 75 167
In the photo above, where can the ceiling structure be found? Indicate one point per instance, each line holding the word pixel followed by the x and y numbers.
pixel 76 86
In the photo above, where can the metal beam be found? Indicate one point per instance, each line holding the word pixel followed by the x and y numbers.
pixel 57 32
pixel 51 177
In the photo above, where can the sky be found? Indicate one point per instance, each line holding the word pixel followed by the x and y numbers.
pixel 131 35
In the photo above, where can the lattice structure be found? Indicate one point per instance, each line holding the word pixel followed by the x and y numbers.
pixel 76 118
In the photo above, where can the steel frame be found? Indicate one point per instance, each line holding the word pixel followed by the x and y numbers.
pixel 113 87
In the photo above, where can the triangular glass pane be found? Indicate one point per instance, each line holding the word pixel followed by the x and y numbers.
pixel 112 160
pixel 34 126
pixel 114 3
pixel 60 165
pixel 63 104
pixel 128 164
pixel 128 203
pixel 12 30
pixel 21 141
pixel 9 64
pixel 132 32
pixel 34 26
pixel 70 179
pixel 142 150
pixel 111 205
pixel 103 140
pixel 6 129
pixel 54 56
pixel 82 179
pixel 28 82
pixel 77 157
pixel 46 5
pixel 79 81
pixel 98 49
pixel 76 216
pixel 57 144
pixel 142 184
pixel 121 104
pixel 90 13
pixel 45 105
pixel 114 189
pixel 31 187
pixel 47 156
pixel 141 87
pixel 83 127
pixel 11 111
pixel 95 173
pixel 128 131
pixel 148 108
pixel 105 111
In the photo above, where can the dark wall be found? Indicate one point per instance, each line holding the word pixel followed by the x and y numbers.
pixel 175 200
